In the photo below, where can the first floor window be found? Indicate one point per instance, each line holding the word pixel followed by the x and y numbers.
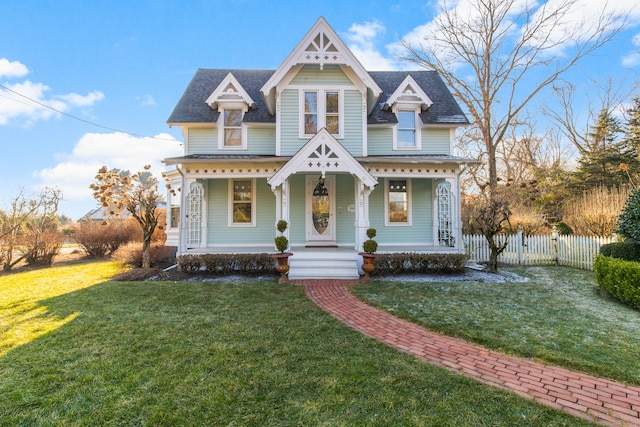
pixel 397 201
pixel 242 202
pixel 233 127
pixel 175 217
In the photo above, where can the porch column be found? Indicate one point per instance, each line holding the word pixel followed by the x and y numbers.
pixel 362 213
pixel 282 194
pixel 456 215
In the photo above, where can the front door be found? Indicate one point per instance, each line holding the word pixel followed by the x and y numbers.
pixel 320 210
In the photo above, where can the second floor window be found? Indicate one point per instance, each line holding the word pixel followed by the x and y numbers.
pixel 406 129
pixel 233 127
pixel 321 109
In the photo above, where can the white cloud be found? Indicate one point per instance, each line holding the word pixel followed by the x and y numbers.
pixel 88 100
pixel 12 69
pixel 633 58
pixel 22 100
pixel 76 170
pixel 361 40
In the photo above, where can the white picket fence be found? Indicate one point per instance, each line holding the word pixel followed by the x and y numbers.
pixel 573 251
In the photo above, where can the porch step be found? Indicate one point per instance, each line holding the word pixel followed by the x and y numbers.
pixel 323 264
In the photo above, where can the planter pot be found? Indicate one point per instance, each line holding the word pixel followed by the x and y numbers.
pixel 283 266
pixel 367 265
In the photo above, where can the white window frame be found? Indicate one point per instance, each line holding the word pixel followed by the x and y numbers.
pixel 243 128
pixel 322 110
pixel 418 127
pixel 230 203
pixel 387 222
pixel 173 201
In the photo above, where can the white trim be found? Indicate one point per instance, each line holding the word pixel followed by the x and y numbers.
pixel 333 52
pixel 321 110
pixel 229 91
pixel 322 154
pixel 230 202
pixel 409 92
pixel 386 204
pixel 311 235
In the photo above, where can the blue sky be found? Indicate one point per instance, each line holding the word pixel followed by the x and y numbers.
pixel 123 65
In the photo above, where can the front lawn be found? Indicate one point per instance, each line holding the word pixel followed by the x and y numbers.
pixel 559 317
pixel 79 350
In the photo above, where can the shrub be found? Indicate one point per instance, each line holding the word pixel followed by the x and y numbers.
pixel 44 249
pixel 131 254
pixel 628 250
pixel 99 239
pixel 564 229
pixel 619 278
pixel 370 246
pixel 596 211
pixel 409 262
pixel 189 263
pixel 246 264
pixel 629 219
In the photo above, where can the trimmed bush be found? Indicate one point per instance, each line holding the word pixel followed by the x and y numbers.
pixel 619 278
pixel 189 263
pixel 408 262
pixel 627 250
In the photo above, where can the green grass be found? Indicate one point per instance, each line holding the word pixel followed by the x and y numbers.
pixel 559 317
pixel 249 353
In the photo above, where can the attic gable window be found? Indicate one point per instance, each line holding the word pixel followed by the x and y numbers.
pixel 406 129
pixel 231 101
pixel 321 108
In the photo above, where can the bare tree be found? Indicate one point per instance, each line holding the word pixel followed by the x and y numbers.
pixel 497 55
pixel 138 194
pixel 26 227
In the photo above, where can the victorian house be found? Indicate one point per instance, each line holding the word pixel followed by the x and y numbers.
pixel 324 144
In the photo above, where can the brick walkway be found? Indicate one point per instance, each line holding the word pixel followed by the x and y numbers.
pixel 598 400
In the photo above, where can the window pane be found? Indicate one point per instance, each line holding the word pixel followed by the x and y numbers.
pixel 398 202
pixel 242 213
pixel 232 117
pixel 242 190
pixel 311 102
pixel 332 102
pixel 232 137
pixel 310 123
pixel 406 138
pixel 333 124
pixel 406 120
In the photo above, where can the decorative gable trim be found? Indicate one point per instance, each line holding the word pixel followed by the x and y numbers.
pixel 321 45
pixel 322 154
pixel 230 93
pixel 409 93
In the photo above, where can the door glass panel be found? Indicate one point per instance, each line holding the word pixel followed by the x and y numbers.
pixel 320 205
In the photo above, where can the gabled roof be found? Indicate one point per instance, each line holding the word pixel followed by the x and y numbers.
pixel 444 110
pixel 192 106
pixel 409 92
pixel 321 45
pixel 229 91
pixel 322 154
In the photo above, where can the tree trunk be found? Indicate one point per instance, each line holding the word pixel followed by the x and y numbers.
pixel 146 253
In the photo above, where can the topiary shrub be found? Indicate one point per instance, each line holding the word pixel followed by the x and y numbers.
pixel 619 278
pixel 628 250
pixel 370 246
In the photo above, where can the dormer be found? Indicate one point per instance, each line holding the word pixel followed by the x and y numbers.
pixel 231 101
pixel 321 46
pixel 407 102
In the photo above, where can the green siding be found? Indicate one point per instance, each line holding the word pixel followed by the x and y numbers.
pixel 289 122
pixel 434 141
pixel 202 141
pixel 353 122
pixel 345 220
pixel 220 233
pixel 329 75
pixel 380 141
pixel 421 230
pixel 297 208
pixel 261 140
